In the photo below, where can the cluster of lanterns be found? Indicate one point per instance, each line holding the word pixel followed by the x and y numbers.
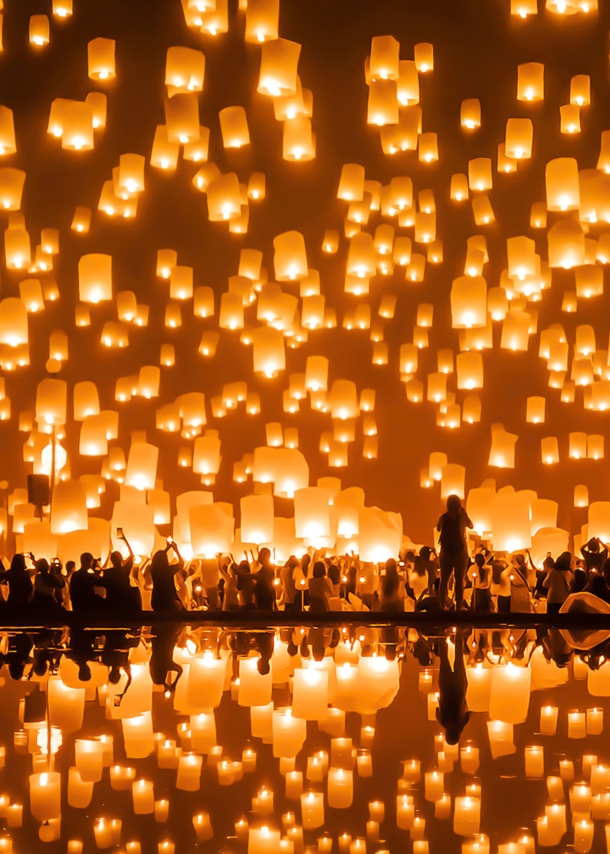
pixel 278 303
pixel 313 784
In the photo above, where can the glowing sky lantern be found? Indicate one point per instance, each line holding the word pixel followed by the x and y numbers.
pixel 278 69
pixel 469 302
pixel 142 466
pixel 262 17
pixel 101 59
pixel 530 81
pixel 184 70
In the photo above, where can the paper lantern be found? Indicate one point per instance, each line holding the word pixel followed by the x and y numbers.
pixel 424 57
pixel 182 118
pixel 224 198
pixel 469 302
pixel 101 61
pixel 566 244
pixel 95 278
pixel 569 115
pixel 11 188
pixel 257 518
pixel 562 185
pixel 459 187
pixel 469 367
pixel 164 154
pixel 502 453
pixel 382 106
pixel 515 331
pixel 278 69
pixel 298 142
pixel 39 30
pixel 408 83
pixel 428 148
pixel 262 21
pixel 518 138
pixel 544 514
pixel 478 507
pixel 595 447
pixel 268 351
pixel 62 8
pixel 184 70
pixel 384 58
pixel 523 8
pixel 479 174
pixel 290 256
pixel 511 527
pixel 549 450
pixel 212 529
pixel 530 81
pixel 51 402
pixel 379 534
pixel 68 507
pixel 234 127
pixel 351 182
pixel 581 495
pixel 470 113
pixel 453 477
pixel 142 466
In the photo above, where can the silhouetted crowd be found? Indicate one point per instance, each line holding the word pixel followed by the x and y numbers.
pixel 459 576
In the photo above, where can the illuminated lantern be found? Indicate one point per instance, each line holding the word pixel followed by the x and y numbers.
pixel 142 466
pixel 598 520
pixel 289 107
pixel 544 514
pixel 39 30
pixel 479 174
pixel 478 506
pixel 197 150
pixel 343 400
pixel 584 344
pixel 382 107
pixel 98 102
pixel 212 529
pixel 384 58
pixel 511 526
pixel 502 453
pixel 262 21
pixel 469 367
pixel 77 126
pixel 224 198
pixel 423 54
pixel 523 8
pixel 510 693
pixel 182 118
pixel 459 187
pixel 86 400
pixel 278 69
pixel 68 507
pixel 131 173
pixel 290 256
pixel 184 70
pixel 7 131
pixel 535 410
pixel 453 477
pixel 311 513
pixel 595 447
pixel 470 113
pixel 562 184
pixel 234 127
pixel 515 331
pixel 268 351
pixel 581 495
pixel 379 534
pixel 530 81
pixel 408 83
pixel 569 118
pixel 351 182
pixel 428 147
pixel 257 518
pixel 298 142
pixel 566 244
pixel 45 796
pixel 361 256
pixel 62 8
pixel 562 7
pixel 206 455
pixel 580 90
pixel 101 62
pixel 518 138
pixel 181 282
pixel 51 402
pixel 81 220
pixel 11 189
pixel 30 294
pixel 482 210
pixel 549 450
pixel 95 278
pixel 164 154
pixel 469 302
pixel 603 163
pixel 589 281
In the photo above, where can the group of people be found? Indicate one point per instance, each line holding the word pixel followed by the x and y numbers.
pixel 419 579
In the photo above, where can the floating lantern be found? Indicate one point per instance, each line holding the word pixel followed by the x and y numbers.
pixel 101 61
pixel 530 81
pixel 278 69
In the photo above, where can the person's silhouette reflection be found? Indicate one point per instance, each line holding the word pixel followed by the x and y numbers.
pixel 162 664
pixel 452 712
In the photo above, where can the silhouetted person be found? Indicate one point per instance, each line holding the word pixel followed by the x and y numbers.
pixel 594 554
pixel 320 588
pixel 82 586
pixel 20 585
pixel 46 584
pixel 392 589
pixel 164 594
pixel 452 712
pixel 120 594
pixel 558 582
pixel 454 554
pixel 264 592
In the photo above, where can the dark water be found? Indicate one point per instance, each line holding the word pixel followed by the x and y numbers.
pixel 240 711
